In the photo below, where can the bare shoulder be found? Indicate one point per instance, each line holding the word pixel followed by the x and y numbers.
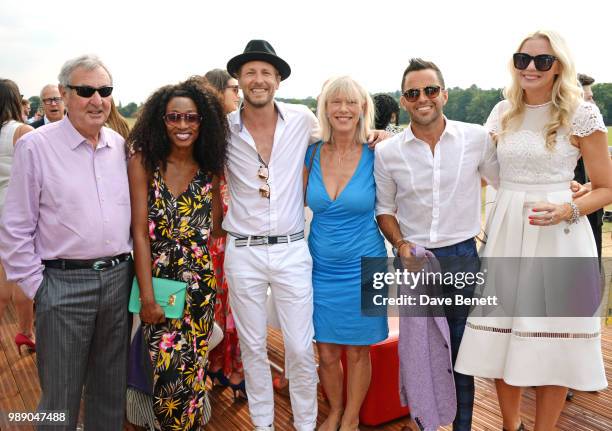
pixel 21 130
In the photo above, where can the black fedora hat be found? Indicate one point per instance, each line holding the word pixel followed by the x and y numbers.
pixel 260 50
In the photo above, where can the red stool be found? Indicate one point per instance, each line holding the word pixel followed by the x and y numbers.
pixel 382 401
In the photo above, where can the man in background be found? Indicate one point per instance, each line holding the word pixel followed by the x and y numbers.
pixel 580 173
pixel 53 106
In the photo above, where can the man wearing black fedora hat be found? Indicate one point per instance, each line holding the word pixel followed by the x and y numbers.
pixel 265 222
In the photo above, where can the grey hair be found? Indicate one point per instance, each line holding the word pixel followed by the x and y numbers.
pixel 87 62
pixel 45 87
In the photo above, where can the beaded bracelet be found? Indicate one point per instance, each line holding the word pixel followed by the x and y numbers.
pixel 575 213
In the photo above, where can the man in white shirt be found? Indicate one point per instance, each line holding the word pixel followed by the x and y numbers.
pixel 428 181
pixel 265 221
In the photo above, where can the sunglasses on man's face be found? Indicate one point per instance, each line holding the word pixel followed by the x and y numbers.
pixel 542 62
pixel 190 118
pixel 413 94
pixel 87 91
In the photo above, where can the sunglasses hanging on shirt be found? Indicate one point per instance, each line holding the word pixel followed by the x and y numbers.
pixel 263 173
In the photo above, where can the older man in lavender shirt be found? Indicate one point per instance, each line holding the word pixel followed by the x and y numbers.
pixel 65 239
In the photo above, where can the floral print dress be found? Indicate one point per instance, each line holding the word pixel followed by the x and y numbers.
pixel 178 231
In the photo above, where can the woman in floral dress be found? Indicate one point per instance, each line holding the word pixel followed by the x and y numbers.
pixel 179 147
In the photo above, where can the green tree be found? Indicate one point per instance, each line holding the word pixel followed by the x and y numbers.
pixel 602 93
pixel 128 110
pixel 34 105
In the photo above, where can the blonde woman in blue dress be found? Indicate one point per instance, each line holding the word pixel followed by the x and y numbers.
pixel 541 129
pixel 341 194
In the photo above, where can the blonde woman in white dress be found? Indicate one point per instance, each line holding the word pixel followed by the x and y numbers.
pixel 541 130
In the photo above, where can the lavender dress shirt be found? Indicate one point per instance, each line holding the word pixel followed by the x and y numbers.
pixel 64 200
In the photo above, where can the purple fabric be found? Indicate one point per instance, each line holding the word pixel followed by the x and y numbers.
pixel 65 200
pixel 140 370
pixel 426 379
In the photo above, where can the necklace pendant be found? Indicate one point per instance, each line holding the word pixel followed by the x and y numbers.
pixel 566 230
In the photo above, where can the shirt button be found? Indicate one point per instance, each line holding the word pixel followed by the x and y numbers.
pixel 449 371
pixel 108 242
pixel 98 177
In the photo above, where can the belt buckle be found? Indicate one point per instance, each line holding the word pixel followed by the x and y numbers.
pixel 99 265
pixel 271 240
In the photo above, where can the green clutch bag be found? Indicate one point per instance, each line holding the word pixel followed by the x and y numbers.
pixel 169 294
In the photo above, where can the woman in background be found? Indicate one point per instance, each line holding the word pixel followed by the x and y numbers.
pixel 116 121
pixel 11 129
pixel 225 367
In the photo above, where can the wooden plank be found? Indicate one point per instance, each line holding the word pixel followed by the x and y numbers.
pixel 19 391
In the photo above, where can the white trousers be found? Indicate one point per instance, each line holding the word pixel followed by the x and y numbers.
pixel 287 269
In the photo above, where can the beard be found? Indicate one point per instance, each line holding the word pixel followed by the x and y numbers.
pixel 258 103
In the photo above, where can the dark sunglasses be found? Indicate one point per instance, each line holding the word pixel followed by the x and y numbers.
pixel 87 91
pixel 413 94
pixel 176 117
pixel 542 62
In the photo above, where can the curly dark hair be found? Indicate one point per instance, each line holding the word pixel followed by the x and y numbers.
pixel 149 136
pixel 385 106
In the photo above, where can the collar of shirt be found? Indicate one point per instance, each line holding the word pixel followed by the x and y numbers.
pixel 449 127
pixel 235 117
pixel 75 138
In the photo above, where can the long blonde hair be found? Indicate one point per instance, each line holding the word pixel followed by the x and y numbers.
pixel 566 94
pixel 116 121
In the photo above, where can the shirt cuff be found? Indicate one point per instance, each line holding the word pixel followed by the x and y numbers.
pixel 31 285
pixel 386 211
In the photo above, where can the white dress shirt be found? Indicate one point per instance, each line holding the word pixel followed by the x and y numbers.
pixel 283 214
pixel 435 196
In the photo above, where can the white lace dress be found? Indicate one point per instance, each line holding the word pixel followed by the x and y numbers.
pixel 536 351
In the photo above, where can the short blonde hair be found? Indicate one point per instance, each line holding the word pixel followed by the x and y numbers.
pixel 348 87
pixel 566 94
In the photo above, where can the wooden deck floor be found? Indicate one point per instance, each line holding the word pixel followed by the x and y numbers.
pixel 19 389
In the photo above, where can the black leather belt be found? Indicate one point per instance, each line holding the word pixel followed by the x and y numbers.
pixel 99 264
pixel 250 240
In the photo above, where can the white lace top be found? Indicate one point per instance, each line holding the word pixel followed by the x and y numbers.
pixel 522 154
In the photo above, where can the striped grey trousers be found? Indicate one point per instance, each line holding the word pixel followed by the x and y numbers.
pixel 82 340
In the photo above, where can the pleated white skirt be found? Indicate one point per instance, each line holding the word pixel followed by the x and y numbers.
pixel 534 351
